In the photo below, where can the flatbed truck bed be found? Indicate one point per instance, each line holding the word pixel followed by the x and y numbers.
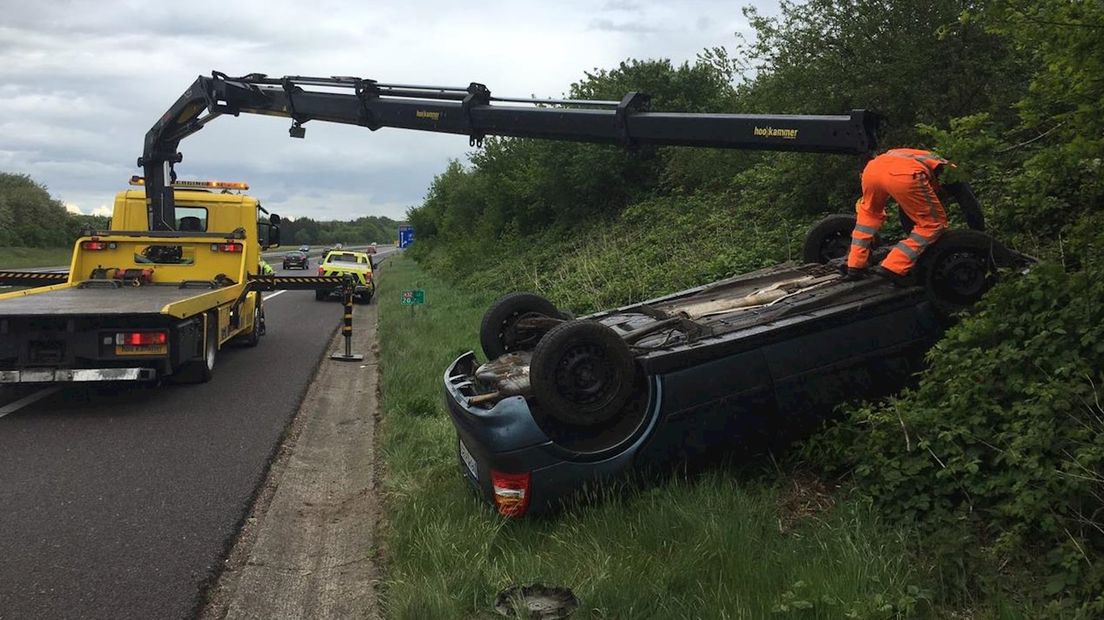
pixel 75 301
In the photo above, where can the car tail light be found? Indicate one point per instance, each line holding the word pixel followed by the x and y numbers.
pixel 226 247
pixel 141 339
pixel 511 493
pixel 96 245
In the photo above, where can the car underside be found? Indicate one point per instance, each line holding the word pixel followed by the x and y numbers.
pixel 746 363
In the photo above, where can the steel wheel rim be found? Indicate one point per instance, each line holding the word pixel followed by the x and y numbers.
pixel 583 376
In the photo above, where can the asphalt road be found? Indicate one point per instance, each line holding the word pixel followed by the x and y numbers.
pixel 120 501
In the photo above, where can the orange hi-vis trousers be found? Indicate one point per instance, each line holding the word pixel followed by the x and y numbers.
pixel 909 182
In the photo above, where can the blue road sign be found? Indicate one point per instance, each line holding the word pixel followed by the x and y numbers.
pixel 406 236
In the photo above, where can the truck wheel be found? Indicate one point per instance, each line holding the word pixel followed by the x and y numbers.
pixel 364 299
pixel 320 295
pixel 500 333
pixel 582 373
pixel 253 338
pixel 200 371
pixel 959 268
pixel 830 238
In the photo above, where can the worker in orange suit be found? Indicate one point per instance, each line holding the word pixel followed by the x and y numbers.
pixel 910 177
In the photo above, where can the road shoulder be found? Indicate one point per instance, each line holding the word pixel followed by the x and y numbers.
pixel 309 548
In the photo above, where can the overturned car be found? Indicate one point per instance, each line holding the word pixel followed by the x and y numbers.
pixel 741 364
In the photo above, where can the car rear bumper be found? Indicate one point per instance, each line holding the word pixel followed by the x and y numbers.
pixel 506 438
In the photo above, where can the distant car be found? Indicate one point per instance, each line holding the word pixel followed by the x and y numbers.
pixel 305 249
pixel 738 365
pixel 371 249
pixel 296 260
pixel 356 264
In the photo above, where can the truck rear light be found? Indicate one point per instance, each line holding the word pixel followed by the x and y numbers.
pixel 226 247
pixel 96 246
pixel 321 271
pixel 141 339
pixel 511 493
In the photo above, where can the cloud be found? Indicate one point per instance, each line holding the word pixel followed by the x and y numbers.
pixel 103 210
pixel 611 26
pixel 81 82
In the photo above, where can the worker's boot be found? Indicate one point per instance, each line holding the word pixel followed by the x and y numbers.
pixel 896 279
pixel 854 274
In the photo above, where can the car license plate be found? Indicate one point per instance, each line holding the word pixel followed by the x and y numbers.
pixel 469 461
pixel 141 349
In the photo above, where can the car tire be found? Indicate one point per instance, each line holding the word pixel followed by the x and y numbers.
pixel 959 268
pixel 830 238
pixel 201 371
pixel 498 332
pixel 582 373
pixel 320 295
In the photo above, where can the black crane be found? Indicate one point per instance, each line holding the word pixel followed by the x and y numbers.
pixel 474 112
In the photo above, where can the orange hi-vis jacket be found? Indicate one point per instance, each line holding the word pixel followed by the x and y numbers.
pixel 907 176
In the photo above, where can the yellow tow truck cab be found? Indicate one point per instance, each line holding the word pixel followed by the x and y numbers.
pixel 141 304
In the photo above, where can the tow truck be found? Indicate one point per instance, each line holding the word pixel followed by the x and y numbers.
pixel 141 302
pixel 562 402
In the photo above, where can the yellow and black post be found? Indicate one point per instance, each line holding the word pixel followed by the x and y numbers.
pixel 347 289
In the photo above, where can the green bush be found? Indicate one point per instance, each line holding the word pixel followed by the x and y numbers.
pixel 999 451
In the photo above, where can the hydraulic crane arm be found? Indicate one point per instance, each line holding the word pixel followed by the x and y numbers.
pixel 472 111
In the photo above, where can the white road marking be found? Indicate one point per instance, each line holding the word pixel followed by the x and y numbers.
pixel 267 297
pixel 27 400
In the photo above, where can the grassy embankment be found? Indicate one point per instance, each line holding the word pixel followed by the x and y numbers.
pixel 17 258
pixel 724 544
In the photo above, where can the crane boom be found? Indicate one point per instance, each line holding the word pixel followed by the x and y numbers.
pixel 472 111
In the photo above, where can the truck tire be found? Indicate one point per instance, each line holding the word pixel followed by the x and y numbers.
pixel 830 238
pixel 364 299
pixel 321 295
pixel 959 268
pixel 499 334
pixel 200 371
pixel 582 373
pixel 253 338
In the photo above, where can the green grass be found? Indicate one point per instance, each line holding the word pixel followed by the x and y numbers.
pixel 723 544
pixel 16 258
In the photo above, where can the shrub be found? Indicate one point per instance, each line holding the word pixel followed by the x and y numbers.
pixel 1000 448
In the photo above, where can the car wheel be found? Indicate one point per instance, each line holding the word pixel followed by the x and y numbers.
pixel 200 371
pixel 959 268
pixel 582 373
pixel 830 238
pixel 320 295
pixel 502 329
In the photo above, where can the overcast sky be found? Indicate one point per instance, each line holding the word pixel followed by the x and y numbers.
pixel 82 82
